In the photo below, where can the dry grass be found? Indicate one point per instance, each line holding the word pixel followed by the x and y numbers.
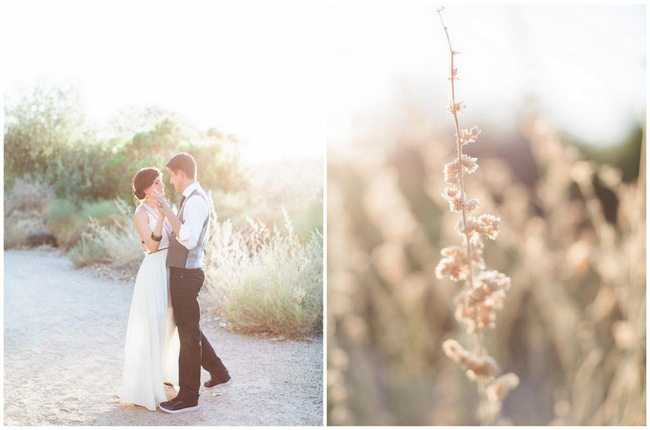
pixel 116 243
pixel 267 280
pixel 573 323
pixel 27 195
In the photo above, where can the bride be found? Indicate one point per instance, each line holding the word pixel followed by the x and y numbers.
pixel 152 345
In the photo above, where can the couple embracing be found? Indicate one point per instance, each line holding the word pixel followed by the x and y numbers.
pixel 164 343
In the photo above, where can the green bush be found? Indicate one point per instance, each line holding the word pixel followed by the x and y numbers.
pixel 60 217
pixel 102 208
pixel 69 220
pixel 60 210
pixel 88 251
pixel 78 172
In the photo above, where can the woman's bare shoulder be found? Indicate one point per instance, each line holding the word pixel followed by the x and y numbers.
pixel 140 213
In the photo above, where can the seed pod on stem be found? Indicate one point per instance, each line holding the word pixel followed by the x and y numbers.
pixel 484 290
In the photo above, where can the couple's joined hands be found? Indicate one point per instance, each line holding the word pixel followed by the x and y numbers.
pixel 162 205
pixel 166 211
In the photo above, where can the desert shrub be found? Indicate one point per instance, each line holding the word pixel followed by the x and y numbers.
pixel 238 208
pixel 28 195
pixel 17 228
pixel 78 171
pixel 266 280
pixel 121 240
pixel 60 217
pixel 60 210
pixel 24 205
pixel 69 220
pixel 88 251
pixel 98 209
pixel 297 187
pixel 115 241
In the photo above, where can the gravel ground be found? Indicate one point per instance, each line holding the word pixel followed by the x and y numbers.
pixel 63 343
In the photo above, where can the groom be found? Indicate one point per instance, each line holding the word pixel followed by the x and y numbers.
pixel 187 243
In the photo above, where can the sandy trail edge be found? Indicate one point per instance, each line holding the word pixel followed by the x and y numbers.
pixel 63 337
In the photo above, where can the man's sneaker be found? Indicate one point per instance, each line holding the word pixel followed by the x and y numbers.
pixel 214 382
pixel 177 405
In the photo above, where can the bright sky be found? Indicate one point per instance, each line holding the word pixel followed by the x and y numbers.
pixel 585 65
pixel 255 70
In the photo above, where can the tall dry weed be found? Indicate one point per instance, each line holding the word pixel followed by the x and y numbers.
pixel 484 290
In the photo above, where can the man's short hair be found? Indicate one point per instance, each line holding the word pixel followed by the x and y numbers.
pixel 183 162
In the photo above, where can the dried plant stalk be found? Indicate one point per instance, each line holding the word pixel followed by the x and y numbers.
pixel 484 291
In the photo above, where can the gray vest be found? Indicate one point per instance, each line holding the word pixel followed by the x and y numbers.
pixel 178 255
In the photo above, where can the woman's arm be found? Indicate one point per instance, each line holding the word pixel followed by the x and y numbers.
pixel 141 220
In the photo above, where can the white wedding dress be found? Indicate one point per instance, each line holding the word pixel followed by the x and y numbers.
pixel 152 345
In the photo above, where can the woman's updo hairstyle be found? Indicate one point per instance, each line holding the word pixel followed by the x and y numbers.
pixel 143 180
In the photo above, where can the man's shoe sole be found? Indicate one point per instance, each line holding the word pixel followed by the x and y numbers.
pixel 228 382
pixel 191 408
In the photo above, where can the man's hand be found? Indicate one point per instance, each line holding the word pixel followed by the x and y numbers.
pixel 163 205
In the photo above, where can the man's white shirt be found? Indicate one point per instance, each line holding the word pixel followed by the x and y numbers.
pixel 194 215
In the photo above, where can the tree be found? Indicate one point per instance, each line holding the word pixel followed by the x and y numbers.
pixel 218 161
pixel 39 126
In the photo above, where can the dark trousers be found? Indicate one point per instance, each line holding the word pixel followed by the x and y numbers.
pixel 196 351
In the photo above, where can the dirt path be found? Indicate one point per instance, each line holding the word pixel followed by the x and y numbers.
pixel 64 333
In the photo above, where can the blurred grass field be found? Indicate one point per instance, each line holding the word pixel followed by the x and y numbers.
pixel 572 239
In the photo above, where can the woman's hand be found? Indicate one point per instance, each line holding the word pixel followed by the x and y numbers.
pixel 161 215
